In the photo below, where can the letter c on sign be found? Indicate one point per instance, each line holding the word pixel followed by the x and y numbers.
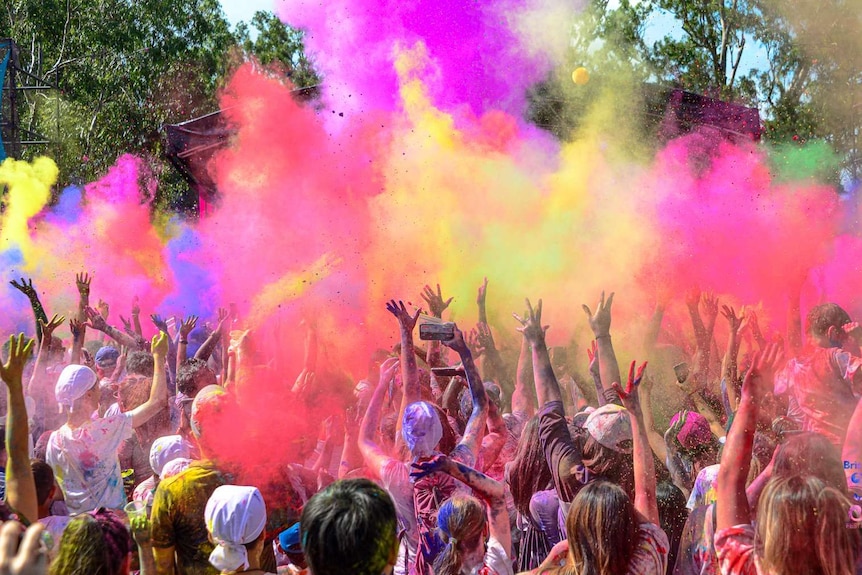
pixel 856 478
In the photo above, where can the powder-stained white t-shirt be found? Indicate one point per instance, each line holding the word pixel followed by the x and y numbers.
pixel 86 463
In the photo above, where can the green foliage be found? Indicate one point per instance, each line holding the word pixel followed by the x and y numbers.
pixel 807 85
pixel 276 42
pixel 127 67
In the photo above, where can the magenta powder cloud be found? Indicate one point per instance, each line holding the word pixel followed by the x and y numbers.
pixel 479 60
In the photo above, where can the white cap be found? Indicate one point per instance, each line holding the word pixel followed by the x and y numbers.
pixel 74 382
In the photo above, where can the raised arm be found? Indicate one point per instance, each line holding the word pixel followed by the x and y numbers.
pixel 729 367
pixel 97 322
pixel 656 440
pixel 524 396
pixel 206 349
pixel 733 508
pixel 39 379
pixel 20 485
pixel 158 399
pixel 475 429
pixel 596 373
pixel 82 282
pixel 600 323
pixel 644 468
pixel 483 486
pixel 411 391
pixel 547 388
pixel 436 306
pixel 26 288
pixel 375 457
pixel 186 327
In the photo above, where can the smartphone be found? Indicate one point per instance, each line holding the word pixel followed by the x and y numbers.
pixel 447 371
pixel 681 370
pixel 435 331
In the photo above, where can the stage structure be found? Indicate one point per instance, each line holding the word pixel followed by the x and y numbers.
pixel 193 143
pixel 666 113
pixel 14 81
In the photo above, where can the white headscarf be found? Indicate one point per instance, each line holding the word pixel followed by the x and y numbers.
pixel 235 515
pixel 421 428
pixel 166 449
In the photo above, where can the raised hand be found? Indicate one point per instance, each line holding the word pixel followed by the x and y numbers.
pixel 127 326
pixel 433 465
pixel 600 321
pixel 435 301
pixel 531 324
pixel 457 343
pixel 483 292
pixel 53 324
pixel 22 551
pixel 136 306
pixel 103 308
pixel 160 323
pixel 629 395
pixel 407 321
pixel 187 325
pixel 20 350
pixel 735 322
pixel 25 287
pixel 484 336
pixel 710 307
pixel 388 369
pixel 159 345
pixel 82 280
pixel 96 320
pixel 474 344
pixel 758 381
pixel 76 327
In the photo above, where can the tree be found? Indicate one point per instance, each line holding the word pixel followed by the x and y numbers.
pixel 809 85
pixel 277 42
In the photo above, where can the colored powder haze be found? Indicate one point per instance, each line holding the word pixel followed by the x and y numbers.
pixel 419 168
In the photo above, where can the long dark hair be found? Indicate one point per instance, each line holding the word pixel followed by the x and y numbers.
pixel 673 513
pixel 603 530
pixel 528 471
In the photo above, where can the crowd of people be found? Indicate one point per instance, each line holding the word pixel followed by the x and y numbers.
pixel 452 456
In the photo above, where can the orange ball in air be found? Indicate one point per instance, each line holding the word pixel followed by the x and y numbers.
pixel 580 76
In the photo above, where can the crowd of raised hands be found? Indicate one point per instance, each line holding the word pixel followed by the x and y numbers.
pixel 479 450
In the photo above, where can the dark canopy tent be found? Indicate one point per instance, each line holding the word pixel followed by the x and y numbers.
pixel 190 147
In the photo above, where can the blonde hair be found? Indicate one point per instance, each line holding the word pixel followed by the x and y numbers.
pixel 802 528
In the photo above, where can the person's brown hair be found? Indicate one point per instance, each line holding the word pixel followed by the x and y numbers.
pixel 821 317
pixel 603 530
pixel 802 528
pixel 528 471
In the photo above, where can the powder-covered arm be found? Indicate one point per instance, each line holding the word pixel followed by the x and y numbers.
pixel 411 392
pixel 733 507
pixel 483 486
pixel 600 323
pixel 644 468
pixel 475 429
pixel 20 485
pixel 26 288
pixel 375 457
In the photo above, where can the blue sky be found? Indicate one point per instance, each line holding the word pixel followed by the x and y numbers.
pixel 239 10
